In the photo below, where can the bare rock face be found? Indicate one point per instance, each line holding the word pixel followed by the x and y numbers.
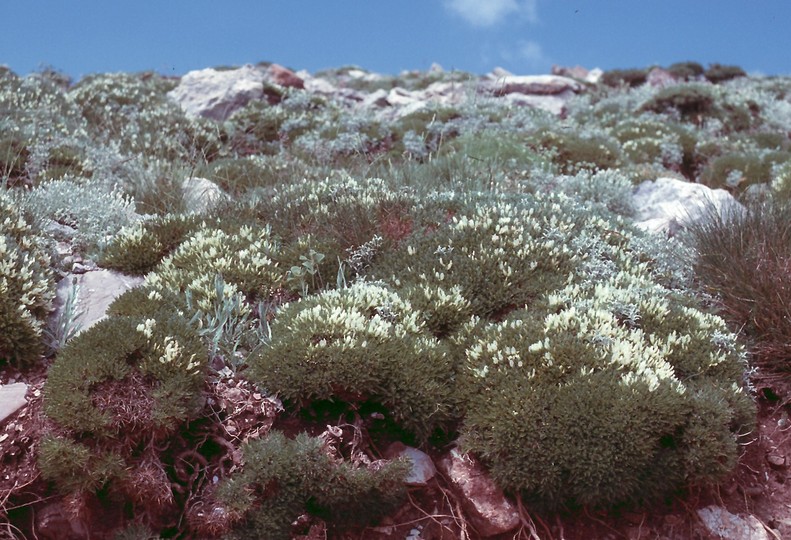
pixel 96 290
pixel 12 398
pixel 574 72
pixel 489 511
pixel 726 526
pixel 666 203
pixel 660 77
pixel 217 94
pixel 536 85
pixel 284 77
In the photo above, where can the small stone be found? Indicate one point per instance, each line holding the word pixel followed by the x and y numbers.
pixel 423 468
pixel 776 461
pixel 488 509
pixel 12 398
pixel 726 526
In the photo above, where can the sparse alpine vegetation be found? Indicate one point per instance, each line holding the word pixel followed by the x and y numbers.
pixel 436 259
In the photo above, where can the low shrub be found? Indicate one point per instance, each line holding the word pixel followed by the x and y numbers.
pixel 738 171
pixel 359 345
pixel 284 478
pixel 686 70
pixel 119 392
pixel 619 392
pixel 26 285
pixel 139 248
pixel 624 77
pixel 691 101
pixel 573 152
pixel 718 73
pixel 96 212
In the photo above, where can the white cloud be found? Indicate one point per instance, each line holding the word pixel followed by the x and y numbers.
pixel 532 52
pixel 492 12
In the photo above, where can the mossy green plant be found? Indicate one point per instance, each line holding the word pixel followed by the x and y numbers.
pixel 620 393
pixel 361 344
pixel 284 478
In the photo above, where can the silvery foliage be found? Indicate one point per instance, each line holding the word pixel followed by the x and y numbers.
pixel 87 205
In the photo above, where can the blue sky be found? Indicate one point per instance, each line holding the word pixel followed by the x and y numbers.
pixel 524 36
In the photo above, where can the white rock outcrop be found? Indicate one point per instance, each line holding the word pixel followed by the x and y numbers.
pixel 217 94
pixel 666 203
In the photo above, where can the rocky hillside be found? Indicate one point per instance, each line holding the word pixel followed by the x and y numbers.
pixel 257 303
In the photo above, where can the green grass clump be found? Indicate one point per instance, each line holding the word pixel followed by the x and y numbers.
pixel 284 478
pixel 26 285
pixel 742 260
pixel 619 393
pixel 363 344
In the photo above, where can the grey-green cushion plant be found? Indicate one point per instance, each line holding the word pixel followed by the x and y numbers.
pixel 285 478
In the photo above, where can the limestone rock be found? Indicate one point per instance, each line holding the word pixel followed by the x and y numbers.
pixel 726 526
pixel 488 509
pixel 217 94
pixel 665 203
pixel 200 194
pixel 423 468
pixel 12 398
pixel 284 77
pixel 552 104
pixel 539 85
pixel 660 77
pixel 96 290
pixel 574 72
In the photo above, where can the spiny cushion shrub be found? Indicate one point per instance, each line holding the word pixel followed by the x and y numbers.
pixel 361 344
pixel 26 285
pixel 625 77
pixel 502 252
pixel 650 141
pixel 283 479
pixel 135 112
pixel 737 171
pixel 573 152
pixel 118 391
pixel 139 248
pixel 619 392
pixel 718 73
pixel 244 258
